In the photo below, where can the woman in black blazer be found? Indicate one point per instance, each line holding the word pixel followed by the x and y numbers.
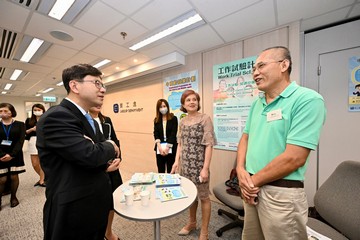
pixel 107 129
pixel 165 131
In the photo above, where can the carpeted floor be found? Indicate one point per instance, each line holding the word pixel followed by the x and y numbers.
pixel 25 220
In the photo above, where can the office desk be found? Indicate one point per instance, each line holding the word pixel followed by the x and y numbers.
pixel 156 210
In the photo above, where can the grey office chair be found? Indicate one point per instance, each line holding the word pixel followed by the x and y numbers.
pixel 235 203
pixel 337 202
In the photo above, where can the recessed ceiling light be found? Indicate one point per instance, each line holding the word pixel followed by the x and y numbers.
pixel 3 92
pixel 102 63
pixel 38 94
pixel 193 19
pixel 48 90
pixel 31 49
pixel 135 60
pixel 7 86
pixel 15 74
pixel 60 8
pixel 60 84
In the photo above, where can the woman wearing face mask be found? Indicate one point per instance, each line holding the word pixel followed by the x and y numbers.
pixel 165 131
pixel 12 136
pixel 30 125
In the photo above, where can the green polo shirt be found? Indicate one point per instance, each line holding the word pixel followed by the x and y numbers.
pixel 295 117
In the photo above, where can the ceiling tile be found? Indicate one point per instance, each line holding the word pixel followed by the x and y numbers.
pixel 125 6
pixel 93 20
pixel 194 41
pixel 132 29
pixel 159 12
pixel 60 52
pixel 324 19
pixel 211 9
pixel 355 11
pixel 243 23
pixel 40 26
pixel 109 50
pixel 289 10
pixel 17 14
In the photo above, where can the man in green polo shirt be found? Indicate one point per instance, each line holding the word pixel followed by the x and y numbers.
pixel 283 126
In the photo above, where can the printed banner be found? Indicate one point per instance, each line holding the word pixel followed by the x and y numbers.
pixel 354 84
pixel 174 86
pixel 234 92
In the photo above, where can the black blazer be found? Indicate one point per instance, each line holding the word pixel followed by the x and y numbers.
pixel 78 190
pixel 171 132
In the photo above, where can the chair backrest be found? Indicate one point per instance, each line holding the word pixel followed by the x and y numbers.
pixel 338 199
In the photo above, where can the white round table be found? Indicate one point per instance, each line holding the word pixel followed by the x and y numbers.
pixel 156 210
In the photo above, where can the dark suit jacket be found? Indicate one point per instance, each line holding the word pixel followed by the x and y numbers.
pixel 108 127
pixel 78 191
pixel 171 132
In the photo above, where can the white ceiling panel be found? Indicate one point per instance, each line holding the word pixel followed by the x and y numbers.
pixel 159 12
pixel 294 9
pixel 355 11
pixel 125 6
pixel 16 14
pixel 194 41
pixel 323 19
pixel 83 57
pixel 130 27
pixel 109 50
pixel 49 62
pixel 94 21
pixel 243 23
pixel 60 52
pixel 41 26
pixel 213 10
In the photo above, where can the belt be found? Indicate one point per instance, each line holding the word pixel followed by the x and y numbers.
pixel 287 183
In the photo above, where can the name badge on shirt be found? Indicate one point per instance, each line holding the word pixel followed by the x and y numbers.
pixel 6 142
pixel 274 115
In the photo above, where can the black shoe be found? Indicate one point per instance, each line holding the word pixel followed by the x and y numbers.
pixel 14 202
pixel 5 193
pixel 37 183
pixel 42 184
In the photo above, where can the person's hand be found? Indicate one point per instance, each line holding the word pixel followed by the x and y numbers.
pixel 165 151
pixel 114 165
pixel 248 190
pixel 174 167
pixel 204 174
pixel 6 158
pixel 116 148
pixel 34 128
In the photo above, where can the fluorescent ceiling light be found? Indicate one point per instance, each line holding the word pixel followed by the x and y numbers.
pixel 102 63
pixel 31 50
pixel 15 74
pixel 48 90
pixel 60 84
pixel 177 27
pixel 38 94
pixel 7 86
pixel 60 8
pixel 3 92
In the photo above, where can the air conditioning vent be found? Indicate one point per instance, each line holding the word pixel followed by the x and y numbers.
pixel 2 70
pixel 30 4
pixel 7 43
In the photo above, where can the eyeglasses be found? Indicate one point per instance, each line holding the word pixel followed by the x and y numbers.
pixel 261 65
pixel 97 83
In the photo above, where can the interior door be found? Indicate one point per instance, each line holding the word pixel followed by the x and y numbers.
pixel 341 133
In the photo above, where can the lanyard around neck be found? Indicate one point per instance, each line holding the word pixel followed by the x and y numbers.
pixel 7 132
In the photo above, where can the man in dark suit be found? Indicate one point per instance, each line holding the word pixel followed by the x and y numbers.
pixel 75 158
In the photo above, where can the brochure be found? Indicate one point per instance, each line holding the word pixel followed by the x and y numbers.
pixel 142 178
pixel 163 146
pixel 170 193
pixel 313 235
pixel 167 180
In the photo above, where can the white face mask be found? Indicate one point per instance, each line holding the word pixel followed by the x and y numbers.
pixel 163 110
pixel 38 113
